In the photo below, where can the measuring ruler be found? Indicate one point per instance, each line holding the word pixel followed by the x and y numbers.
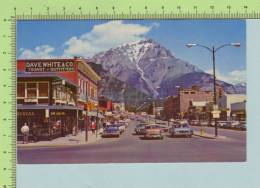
pixel 13 11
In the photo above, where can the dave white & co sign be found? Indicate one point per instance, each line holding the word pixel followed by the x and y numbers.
pixel 49 66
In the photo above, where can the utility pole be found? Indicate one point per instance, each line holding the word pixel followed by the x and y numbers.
pixel 213 50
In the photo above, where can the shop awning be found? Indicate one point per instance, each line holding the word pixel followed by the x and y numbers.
pixel 44 74
pixel 50 107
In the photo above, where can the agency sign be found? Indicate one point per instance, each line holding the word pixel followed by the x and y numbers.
pixel 49 66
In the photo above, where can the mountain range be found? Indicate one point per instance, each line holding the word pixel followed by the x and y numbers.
pixel 151 70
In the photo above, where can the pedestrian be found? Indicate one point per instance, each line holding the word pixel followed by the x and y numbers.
pixel 25 131
pixel 93 127
pixel 74 131
pixel 35 132
pixel 104 125
pixel 62 127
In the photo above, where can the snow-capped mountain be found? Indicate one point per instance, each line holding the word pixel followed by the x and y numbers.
pixel 143 64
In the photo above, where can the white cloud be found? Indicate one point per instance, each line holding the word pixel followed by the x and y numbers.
pixel 41 52
pixel 233 77
pixel 105 36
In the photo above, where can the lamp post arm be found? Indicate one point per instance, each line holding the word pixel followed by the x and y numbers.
pixel 222 46
pixel 203 46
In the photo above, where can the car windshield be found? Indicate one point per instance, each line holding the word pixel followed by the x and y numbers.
pixel 140 126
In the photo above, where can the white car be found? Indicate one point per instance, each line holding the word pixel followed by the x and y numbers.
pixel 233 124
pixel 183 129
pixel 121 127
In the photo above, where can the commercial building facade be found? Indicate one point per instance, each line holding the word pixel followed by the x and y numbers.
pixel 238 111
pixel 53 94
pixel 178 106
pixel 225 102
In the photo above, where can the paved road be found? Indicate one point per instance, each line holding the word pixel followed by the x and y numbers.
pixel 131 148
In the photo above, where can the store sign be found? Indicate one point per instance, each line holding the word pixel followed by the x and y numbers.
pixel 58 113
pixel 49 66
pixel 59 82
pixel 25 113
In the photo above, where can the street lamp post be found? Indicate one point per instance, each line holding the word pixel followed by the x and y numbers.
pixel 213 50
pixel 97 125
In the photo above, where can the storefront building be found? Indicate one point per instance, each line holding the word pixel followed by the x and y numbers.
pixel 52 94
pixel 178 106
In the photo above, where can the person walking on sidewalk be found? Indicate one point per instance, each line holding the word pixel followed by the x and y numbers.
pixel 25 130
pixel 35 132
pixel 93 127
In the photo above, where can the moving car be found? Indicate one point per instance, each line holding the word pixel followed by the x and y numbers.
pixel 140 128
pixel 111 131
pixel 153 131
pixel 121 127
pixel 182 129
pixel 195 122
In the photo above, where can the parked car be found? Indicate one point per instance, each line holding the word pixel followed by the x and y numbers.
pixel 233 124
pixel 153 131
pixel 111 131
pixel 140 128
pixel 204 123
pixel 164 128
pixel 241 126
pixel 182 129
pixel 222 124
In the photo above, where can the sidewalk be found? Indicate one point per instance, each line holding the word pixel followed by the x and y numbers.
pixel 207 135
pixel 69 140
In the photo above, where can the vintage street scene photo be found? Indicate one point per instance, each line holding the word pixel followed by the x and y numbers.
pixel 131 91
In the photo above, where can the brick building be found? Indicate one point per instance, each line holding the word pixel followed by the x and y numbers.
pixel 178 106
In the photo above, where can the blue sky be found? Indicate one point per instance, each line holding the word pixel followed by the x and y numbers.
pixel 45 39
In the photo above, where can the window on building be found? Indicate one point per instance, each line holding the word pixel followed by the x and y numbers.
pixel 87 88
pixel 20 89
pixel 57 92
pixel 32 90
pixel 92 92
pixel 43 89
pixel 64 93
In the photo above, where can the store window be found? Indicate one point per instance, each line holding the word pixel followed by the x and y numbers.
pixel 31 90
pixel 92 92
pixel 43 89
pixel 57 92
pixel 64 93
pixel 20 89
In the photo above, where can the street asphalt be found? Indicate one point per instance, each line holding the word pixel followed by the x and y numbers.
pixel 131 148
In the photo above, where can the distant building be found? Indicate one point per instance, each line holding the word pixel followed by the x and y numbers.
pixel 105 104
pixel 199 110
pixel 119 107
pixel 238 111
pixel 225 102
pixel 178 106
